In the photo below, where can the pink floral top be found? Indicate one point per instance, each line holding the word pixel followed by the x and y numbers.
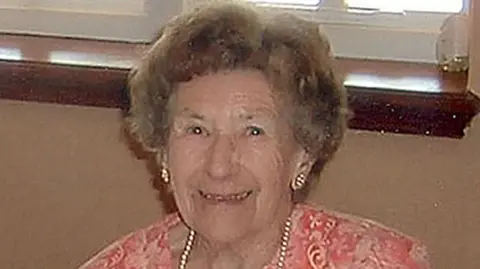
pixel 319 239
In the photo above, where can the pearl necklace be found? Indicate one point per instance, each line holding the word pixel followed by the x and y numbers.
pixel 281 259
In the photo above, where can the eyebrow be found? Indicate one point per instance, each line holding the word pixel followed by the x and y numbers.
pixel 258 113
pixel 187 112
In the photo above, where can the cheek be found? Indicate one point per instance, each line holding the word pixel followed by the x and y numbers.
pixel 264 159
pixel 185 157
pixel 184 161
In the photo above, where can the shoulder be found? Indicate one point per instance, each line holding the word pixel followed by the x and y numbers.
pixel 135 250
pixel 352 242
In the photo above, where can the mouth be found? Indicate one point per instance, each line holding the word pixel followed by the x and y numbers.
pixel 229 198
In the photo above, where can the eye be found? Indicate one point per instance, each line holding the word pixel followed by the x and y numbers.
pixel 196 130
pixel 255 131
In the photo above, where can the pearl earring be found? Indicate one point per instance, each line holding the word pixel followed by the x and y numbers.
pixel 298 182
pixel 165 175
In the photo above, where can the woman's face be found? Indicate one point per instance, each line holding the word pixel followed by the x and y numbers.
pixel 231 155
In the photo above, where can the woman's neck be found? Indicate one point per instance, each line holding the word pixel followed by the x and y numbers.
pixel 253 251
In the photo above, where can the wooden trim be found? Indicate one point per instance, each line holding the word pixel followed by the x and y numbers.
pixel 384 96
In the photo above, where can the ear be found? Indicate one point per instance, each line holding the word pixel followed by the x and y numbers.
pixel 304 162
pixel 161 157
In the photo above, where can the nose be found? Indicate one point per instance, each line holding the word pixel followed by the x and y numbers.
pixel 221 163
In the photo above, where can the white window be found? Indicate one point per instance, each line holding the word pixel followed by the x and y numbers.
pixel 382 29
pixel 129 20
pixel 294 4
pixel 407 5
pixel 405 30
pixel 89 6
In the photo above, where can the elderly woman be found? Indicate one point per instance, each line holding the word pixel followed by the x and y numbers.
pixel 243 109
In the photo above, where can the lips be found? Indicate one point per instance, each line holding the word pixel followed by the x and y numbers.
pixel 231 197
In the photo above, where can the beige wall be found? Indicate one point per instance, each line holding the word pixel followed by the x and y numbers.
pixel 68 185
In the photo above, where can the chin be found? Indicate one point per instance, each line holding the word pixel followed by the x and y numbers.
pixel 223 232
pixel 223 236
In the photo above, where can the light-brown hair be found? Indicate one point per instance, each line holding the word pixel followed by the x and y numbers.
pixel 292 53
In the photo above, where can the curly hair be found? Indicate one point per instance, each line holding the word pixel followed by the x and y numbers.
pixel 292 53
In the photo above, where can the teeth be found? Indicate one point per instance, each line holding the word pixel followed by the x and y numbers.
pixel 224 198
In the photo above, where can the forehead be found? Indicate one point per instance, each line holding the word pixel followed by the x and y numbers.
pixel 242 91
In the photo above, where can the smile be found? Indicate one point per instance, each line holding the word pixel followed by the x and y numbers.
pixel 233 197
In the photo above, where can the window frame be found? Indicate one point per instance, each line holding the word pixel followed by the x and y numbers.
pixel 377 35
pixel 134 27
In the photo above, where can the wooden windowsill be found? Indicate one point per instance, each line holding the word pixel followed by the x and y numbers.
pixel 384 96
